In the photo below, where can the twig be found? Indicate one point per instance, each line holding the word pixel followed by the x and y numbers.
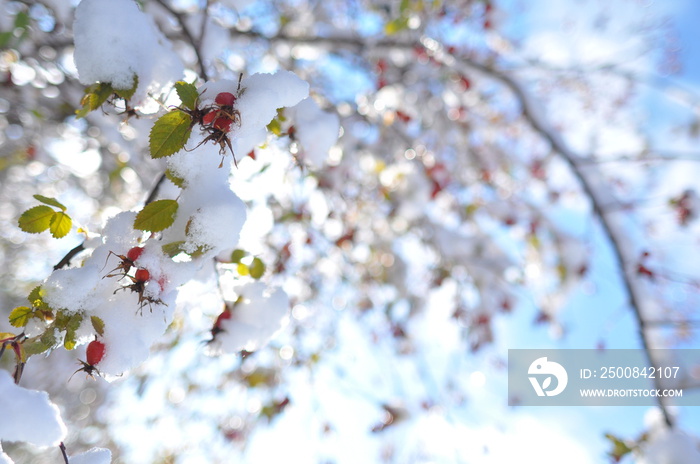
pixel 558 145
pixel 538 124
pixel 62 447
pixel 154 191
pixel 19 370
pixel 189 36
pixel 65 261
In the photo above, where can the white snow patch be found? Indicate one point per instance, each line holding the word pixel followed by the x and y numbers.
pixel 114 41
pixel 28 415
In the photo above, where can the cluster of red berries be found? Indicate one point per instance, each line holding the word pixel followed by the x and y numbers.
pixel 221 116
pixel 216 120
pixel 139 279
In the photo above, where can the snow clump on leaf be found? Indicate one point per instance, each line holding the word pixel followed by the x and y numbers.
pixel 116 42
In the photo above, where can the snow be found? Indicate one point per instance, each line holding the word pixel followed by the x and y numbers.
pixel 208 222
pixel 4 458
pixel 93 456
pixel 668 446
pixel 315 129
pixel 210 216
pixel 71 289
pixel 114 41
pixel 28 415
pixel 256 320
pixel 260 97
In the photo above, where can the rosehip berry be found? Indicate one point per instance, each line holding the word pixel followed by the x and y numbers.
pixel 222 317
pixel 95 352
pixel 209 117
pixel 134 253
pixel 142 275
pixel 222 123
pixel 225 315
pixel 225 99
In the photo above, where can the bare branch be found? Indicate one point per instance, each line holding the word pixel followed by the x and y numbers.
pixel 188 35
pixel 154 191
pixel 62 447
pixel 537 121
pixel 65 261
pixel 614 236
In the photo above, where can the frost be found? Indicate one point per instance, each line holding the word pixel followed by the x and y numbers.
pixel 315 129
pixel 262 95
pixel 93 456
pixel 114 41
pixel 256 319
pixel 28 415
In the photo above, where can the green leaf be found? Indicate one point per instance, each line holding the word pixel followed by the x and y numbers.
pixel 620 448
pixel 156 216
pixel 256 268
pixel 61 224
pixel 179 182
pixel 19 317
pixel 170 133
pixel 50 201
pixel 98 324
pixel 5 38
pixel 188 94
pixel 275 127
pixel 173 249
pixel 69 342
pixel 72 326
pixel 396 25
pixel 40 344
pixel 21 20
pixel 237 255
pixel 126 94
pixel 243 269
pixel 62 320
pixel 36 220
pixel 36 298
pixel 95 96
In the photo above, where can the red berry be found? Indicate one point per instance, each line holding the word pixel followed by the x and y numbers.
pixel 142 275
pixel 222 123
pixel 225 99
pixel 209 117
pixel 133 254
pixel 222 317
pixel 95 352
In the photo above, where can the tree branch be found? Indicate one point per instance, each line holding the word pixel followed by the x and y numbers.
pixel 537 121
pixel 62 447
pixel 188 34
pixel 65 261
pixel 155 189
pixel 614 237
